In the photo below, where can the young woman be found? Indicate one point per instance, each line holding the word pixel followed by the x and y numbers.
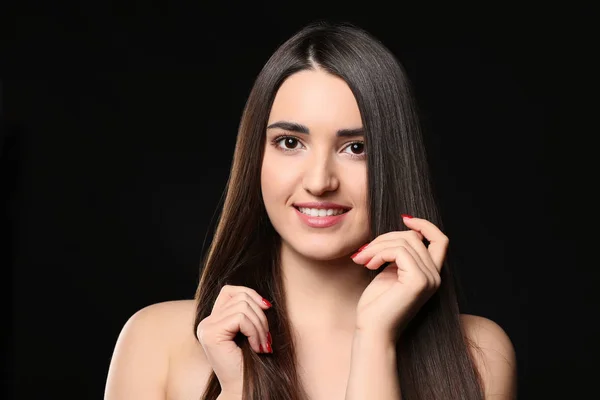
pixel 329 159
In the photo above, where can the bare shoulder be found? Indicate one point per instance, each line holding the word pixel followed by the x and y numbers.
pixel 171 317
pixel 494 356
pixel 175 310
pixel 140 364
pixel 164 323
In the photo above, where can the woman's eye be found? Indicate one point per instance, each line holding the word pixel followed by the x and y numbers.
pixel 356 148
pixel 289 143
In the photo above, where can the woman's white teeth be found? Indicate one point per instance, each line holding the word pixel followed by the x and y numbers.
pixel 319 212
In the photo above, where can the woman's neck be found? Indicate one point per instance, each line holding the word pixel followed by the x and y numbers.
pixel 321 294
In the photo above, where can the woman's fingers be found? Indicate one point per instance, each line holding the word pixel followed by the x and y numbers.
pixel 438 241
pixel 245 322
pixel 229 291
pixel 245 304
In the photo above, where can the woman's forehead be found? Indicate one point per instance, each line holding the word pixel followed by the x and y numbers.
pixel 316 98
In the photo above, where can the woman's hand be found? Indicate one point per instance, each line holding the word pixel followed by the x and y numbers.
pixel 237 309
pixel 397 293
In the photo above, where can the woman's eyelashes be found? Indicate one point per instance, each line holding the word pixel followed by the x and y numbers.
pixel 287 143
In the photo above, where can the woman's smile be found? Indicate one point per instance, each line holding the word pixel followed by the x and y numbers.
pixel 321 221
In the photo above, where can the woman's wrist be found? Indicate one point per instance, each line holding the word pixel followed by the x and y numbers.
pixel 229 396
pixel 231 390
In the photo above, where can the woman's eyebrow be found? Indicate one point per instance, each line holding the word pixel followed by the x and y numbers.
pixel 299 128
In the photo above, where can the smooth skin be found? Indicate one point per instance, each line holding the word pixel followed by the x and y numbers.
pixel 158 356
pixel 237 309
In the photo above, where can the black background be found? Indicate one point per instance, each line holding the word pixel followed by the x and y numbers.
pixel 119 127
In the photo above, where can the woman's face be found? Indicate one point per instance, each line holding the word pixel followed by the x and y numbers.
pixel 315 154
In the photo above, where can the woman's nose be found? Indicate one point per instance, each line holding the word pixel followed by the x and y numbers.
pixel 320 176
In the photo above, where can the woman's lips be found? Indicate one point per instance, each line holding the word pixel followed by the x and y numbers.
pixel 320 222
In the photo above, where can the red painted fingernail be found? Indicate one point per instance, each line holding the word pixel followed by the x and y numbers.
pixel 260 347
pixel 269 348
pixel 267 302
pixel 269 338
pixel 406 216
pixel 359 250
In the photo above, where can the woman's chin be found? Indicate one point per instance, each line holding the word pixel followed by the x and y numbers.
pixel 321 250
pixel 324 253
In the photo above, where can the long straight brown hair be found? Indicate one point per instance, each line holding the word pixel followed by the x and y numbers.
pixel 433 355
